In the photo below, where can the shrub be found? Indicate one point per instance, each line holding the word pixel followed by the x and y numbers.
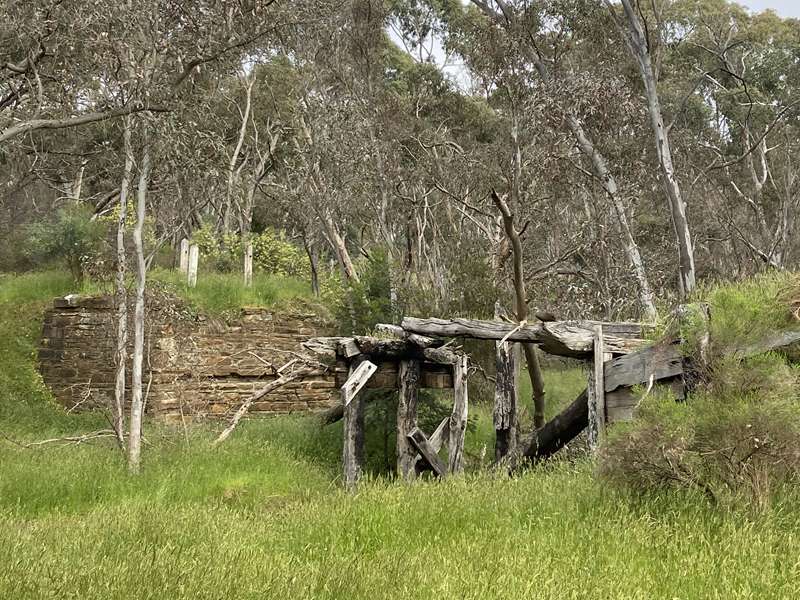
pixel 72 237
pixel 273 253
pixel 738 440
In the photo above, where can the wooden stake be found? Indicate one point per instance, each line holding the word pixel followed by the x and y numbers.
pixel 248 264
pixel 458 419
pixel 409 375
pixel 596 391
pixel 353 449
pixel 194 257
pixel 184 263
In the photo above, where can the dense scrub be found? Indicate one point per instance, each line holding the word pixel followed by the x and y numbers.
pixel 737 437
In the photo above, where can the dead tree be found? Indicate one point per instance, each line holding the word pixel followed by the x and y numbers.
pixel 521 309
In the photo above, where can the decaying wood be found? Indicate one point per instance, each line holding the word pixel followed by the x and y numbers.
pixel 560 430
pixel 353 443
pixel 596 391
pixel 437 439
pixel 563 338
pixel 410 371
pixel 458 418
pixel 429 455
pixel 401 334
pixel 270 387
pixel 771 342
pixel 377 349
pixel 662 361
pixel 357 379
pixel 505 399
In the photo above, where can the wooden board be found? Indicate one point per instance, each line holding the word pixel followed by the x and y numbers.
pixel 661 361
pixel 621 404
pixel 423 446
pixel 433 376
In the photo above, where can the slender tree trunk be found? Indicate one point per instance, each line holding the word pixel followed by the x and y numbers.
pixel 120 354
pixel 137 400
pixel 521 308
pixel 636 40
pixel 232 172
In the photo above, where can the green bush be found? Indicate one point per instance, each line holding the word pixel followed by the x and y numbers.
pixel 737 441
pixel 72 237
pixel 273 253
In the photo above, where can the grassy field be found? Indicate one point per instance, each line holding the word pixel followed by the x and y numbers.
pixel 264 516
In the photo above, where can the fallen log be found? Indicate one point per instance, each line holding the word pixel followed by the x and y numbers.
pixel 574 339
pixel 560 430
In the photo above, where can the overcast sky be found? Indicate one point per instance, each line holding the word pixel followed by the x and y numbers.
pixel 785 8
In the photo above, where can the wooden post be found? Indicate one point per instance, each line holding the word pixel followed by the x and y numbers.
pixel 408 376
pixel 184 259
pixel 458 418
pixel 596 391
pixel 248 264
pixel 194 257
pixel 353 448
pixel 505 399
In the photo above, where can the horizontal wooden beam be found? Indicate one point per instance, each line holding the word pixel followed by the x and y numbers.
pixel 563 338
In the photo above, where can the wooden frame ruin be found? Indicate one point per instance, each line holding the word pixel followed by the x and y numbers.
pixel 414 355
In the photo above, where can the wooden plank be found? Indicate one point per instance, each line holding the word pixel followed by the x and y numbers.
pixel 661 361
pixel 423 446
pixel 433 376
pixel 358 379
pixel 560 430
pixel 353 434
pixel 458 418
pixel 410 371
pixel 564 338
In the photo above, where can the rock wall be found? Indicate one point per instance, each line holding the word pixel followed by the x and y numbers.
pixel 194 366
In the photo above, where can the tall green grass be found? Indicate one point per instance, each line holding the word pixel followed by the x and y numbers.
pixel 264 516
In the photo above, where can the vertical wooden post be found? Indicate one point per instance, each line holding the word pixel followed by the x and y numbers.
pixel 353 447
pixel 505 399
pixel 408 376
pixel 194 257
pixel 596 390
pixel 248 263
pixel 458 418
pixel 184 259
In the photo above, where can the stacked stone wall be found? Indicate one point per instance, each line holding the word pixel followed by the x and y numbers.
pixel 195 366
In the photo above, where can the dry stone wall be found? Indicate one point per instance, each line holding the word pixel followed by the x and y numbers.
pixel 195 366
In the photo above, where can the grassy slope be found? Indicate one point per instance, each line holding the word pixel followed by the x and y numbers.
pixel 263 517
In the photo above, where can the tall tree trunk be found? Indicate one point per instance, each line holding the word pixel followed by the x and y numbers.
pixel 137 399
pixel 637 43
pixel 120 354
